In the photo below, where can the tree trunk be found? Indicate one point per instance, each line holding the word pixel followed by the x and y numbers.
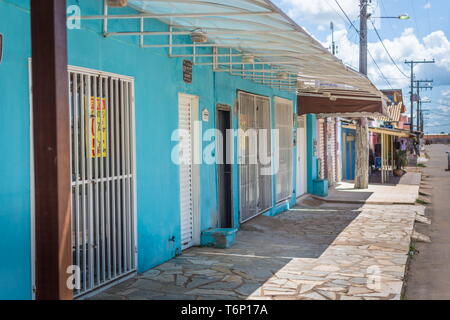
pixel 362 155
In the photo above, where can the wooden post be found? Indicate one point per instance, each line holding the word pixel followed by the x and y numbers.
pixel 51 148
pixel 392 155
pixel 325 150
pixel 362 154
pixel 382 157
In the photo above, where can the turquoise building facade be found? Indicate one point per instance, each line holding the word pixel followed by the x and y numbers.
pixel 158 80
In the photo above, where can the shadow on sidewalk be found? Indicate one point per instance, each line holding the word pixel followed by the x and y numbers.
pixel 264 247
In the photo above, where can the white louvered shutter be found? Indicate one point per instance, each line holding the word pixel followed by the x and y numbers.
pixel 186 172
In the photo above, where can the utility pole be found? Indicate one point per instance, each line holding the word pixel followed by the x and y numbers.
pixel 422 125
pixel 363 37
pixel 412 63
pixel 418 105
pixel 419 86
pixel 362 126
pixel 333 43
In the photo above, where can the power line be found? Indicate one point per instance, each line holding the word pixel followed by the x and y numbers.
pixel 441 115
pixel 357 31
pixel 387 12
pixel 379 69
pixel 345 14
pixel 387 51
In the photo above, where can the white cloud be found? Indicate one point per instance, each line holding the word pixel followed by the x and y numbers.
pixel 446 93
pixel 444 108
pixel 321 12
pixel 407 46
pixel 444 100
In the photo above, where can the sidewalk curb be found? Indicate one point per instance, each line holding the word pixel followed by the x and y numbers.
pixel 362 202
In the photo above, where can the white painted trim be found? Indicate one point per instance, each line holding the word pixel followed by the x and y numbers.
pixel 32 189
pixel 107 286
pixel 292 177
pixel 301 180
pixel 196 217
pixel 272 149
pixel 100 73
pixel 135 176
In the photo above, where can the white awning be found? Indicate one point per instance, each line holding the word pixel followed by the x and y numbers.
pixel 252 38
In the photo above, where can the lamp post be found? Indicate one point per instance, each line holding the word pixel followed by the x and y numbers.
pixel 362 128
pixel 403 16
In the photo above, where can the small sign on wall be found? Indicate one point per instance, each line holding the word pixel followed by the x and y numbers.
pixel 187 71
pixel 205 115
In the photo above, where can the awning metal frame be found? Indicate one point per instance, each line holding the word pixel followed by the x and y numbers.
pixel 259 29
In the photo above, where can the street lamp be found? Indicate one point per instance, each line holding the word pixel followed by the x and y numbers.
pixel 403 16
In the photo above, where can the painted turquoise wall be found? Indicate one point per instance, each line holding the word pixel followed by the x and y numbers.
pixel 311 136
pixel 158 80
pixel 15 226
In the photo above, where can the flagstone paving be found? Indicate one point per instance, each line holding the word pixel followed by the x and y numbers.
pixel 405 192
pixel 320 253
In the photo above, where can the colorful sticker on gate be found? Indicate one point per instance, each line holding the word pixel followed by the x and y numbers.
pixel 98 127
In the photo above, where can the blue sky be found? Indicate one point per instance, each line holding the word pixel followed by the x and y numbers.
pixel 425 36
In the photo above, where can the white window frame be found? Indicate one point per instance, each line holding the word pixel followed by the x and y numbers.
pixel 288 195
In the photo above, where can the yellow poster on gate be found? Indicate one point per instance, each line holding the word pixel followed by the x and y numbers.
pixel 98 127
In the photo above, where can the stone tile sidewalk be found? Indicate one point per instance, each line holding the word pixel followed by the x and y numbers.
pixel 403 193
pixel 316 253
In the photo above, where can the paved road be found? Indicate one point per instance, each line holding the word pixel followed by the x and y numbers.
pixel 429 273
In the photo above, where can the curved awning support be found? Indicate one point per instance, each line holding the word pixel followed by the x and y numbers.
pixel 235 29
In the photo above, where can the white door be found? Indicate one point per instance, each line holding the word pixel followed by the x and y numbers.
pixel 284 124
pixel 301 157
pixel 188 114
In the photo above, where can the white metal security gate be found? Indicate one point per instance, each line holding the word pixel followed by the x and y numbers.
pixel 301 187
pixel 331 151
pixel 103 177
pixel 255 188
pixel 321 149
pixel 187 114
pixel 284 124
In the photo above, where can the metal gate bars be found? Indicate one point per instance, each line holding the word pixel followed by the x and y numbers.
pixel 255 189
pixel 103 177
